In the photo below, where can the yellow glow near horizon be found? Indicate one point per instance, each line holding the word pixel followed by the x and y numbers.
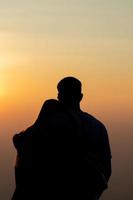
pixel 3 65
pixel 2 91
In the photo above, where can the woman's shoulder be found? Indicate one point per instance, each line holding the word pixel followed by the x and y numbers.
pixel 17 139
pixel 21 138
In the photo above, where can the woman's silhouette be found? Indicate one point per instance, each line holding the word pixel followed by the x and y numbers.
pixel 31 145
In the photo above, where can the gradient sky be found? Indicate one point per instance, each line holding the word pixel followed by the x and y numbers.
pixel 43 41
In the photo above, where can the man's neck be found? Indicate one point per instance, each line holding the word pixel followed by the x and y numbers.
pixel 75 107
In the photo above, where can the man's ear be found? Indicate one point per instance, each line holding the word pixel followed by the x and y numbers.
pixel 81 96
pixel 58 96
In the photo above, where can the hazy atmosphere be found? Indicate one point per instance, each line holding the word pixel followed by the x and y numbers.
pixel 43 41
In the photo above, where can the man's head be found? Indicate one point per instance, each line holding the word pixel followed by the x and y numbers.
pixel 69 92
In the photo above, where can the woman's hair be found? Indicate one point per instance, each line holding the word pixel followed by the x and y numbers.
pixel 49 107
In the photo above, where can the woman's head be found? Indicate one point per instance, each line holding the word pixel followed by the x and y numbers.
pixel 49 108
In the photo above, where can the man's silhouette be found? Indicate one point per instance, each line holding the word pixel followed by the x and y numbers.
pixel 93 147
pixel 65 154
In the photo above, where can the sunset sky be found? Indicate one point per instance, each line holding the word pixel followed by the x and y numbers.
pixel 42 41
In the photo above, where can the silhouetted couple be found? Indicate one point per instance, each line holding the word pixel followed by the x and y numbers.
pixel 65 154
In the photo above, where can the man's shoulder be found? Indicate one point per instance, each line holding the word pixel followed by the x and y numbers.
pixel 91 119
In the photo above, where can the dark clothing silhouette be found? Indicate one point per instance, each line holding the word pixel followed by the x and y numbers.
pixel 65 154
pixel 63 159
